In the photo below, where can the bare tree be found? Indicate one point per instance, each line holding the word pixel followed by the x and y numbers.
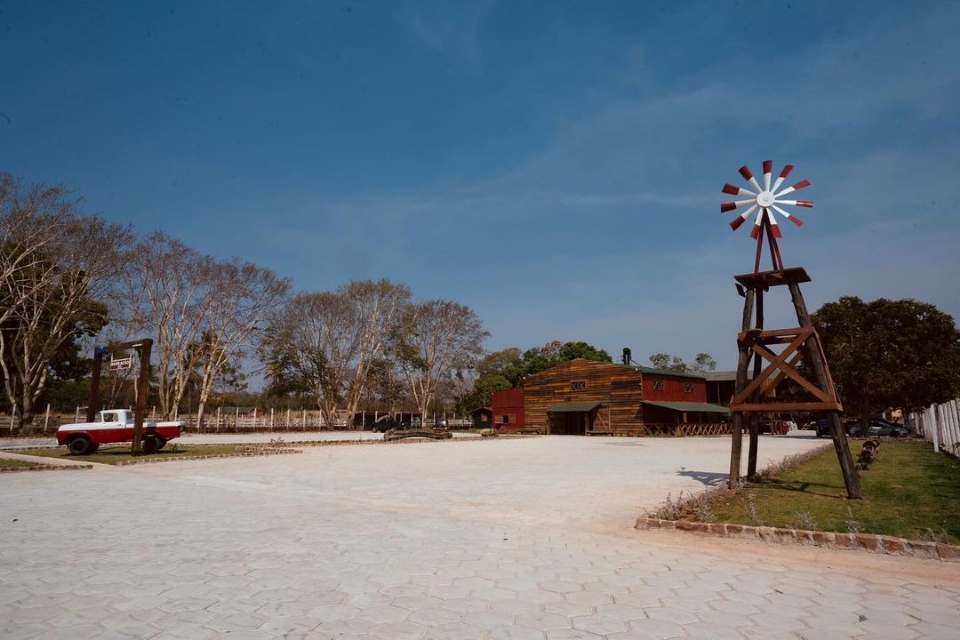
pixel 329 341
pixel 313 340
pixel 238 297
pixel 165 289
pixel 31 220
pixel 436 340
pixel 379 306
pixel 57 268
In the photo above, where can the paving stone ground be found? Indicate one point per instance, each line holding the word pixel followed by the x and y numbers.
pixel 490 540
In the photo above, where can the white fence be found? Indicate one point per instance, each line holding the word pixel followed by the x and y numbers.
pixel 230 419
pixel 940 425
pixel 289 420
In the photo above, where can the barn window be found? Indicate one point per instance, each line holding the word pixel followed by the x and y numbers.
pixel 688 387
pixel 658 385
pixel 506 419
pixel 578 385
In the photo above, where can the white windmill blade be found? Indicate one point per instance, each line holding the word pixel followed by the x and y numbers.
pixel 740 219
pixel 789 216
pixel 745 172
pixel 755 231
pixel 783 176
pixel 767 173
pixel 796 203
pixel 800 185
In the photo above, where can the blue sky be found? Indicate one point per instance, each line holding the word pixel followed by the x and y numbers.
pixel 556 166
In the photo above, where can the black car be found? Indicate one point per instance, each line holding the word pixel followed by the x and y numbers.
pixel 384 424
pixel 851 427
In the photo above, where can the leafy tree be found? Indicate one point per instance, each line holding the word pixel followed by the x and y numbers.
pixel 507 368
pixel 704 362
pixel 667 362
pixel 496 371
pixel 889 353
pixel 571 350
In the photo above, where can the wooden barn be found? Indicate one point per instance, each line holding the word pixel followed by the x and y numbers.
pixel 508 409
pixel 584 397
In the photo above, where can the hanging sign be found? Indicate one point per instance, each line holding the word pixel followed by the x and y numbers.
pixel 116 364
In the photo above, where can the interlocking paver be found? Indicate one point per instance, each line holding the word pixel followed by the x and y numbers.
pixel 534 539
pixel 489 619
pixel 654 628
pixel 518 632
pixel 398 630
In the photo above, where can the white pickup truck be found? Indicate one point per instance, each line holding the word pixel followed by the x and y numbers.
pixel 115 425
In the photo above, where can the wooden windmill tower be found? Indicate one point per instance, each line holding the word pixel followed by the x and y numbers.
pixel 776 354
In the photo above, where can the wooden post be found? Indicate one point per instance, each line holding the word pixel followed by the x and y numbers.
pixel 143 388
pixel 736 448
pixel 822 375
pixel 754 420
pixel 93 402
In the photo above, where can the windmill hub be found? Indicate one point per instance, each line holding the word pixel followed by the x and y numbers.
pixel 765 199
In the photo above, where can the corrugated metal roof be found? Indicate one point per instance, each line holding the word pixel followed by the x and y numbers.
pixel 573 407
pixel 666 372
pixel 704 407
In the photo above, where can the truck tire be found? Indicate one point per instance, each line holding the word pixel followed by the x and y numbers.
pixel 151 443
pixel 80 446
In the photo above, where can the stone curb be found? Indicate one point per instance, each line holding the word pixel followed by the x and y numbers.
pixel 239 454
pixel 849 541
pixel 46 467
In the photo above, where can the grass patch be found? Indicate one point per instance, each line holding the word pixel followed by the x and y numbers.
pixel 7 463
pixel 910 492
pixel 121 453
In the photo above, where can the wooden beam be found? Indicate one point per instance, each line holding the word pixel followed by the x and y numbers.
pixel 761 407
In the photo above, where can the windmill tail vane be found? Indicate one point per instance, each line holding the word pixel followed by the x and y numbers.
pixel 765 201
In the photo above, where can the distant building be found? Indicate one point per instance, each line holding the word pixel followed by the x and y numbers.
pixel 584 397
pixel 482 418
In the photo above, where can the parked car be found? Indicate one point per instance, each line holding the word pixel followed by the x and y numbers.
pixel 880 427
pixel 851 427
pixel 384 424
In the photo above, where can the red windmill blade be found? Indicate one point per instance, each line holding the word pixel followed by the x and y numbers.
pixel 767 202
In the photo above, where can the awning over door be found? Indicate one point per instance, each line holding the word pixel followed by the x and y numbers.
pixel 573 407
pixel 703 407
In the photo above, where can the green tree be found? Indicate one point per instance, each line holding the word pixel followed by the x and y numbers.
pixel 507 368
pixel 496 371
pixel 571 350
pixel 889 353
pixel 667 362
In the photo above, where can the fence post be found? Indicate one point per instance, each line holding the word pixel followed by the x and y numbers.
pixel 954 425
pixel 935 427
